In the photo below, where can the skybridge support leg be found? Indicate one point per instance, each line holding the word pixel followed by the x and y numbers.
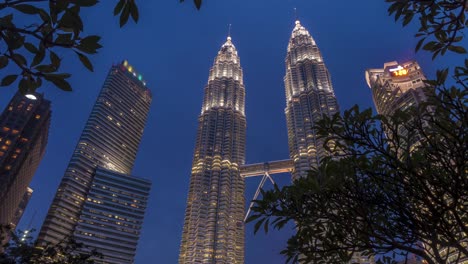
pixel 260 186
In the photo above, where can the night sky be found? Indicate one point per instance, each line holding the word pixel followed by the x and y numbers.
pixel 173 47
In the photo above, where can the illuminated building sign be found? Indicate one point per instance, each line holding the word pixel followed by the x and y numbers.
pixel 398 71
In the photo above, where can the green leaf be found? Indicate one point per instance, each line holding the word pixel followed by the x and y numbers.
pixel 44 15
pixel 89 44
pixel 65 39
pixel 258 225
pixel 45 68
pixel 9 79
pixel 59 80
pixel 430 46
pixel 118 7
pixel 54 59
pixel 27 9
pixel 25 86
pixel 3 62
pixel 19 59
pixel 86 3
pixel 124 15
pixel 6 20
pixel 39 57
pixel 420 42
pixel 197 3
pixel 31 48
pixel 85 61
pixel 457 49
pixel 134 11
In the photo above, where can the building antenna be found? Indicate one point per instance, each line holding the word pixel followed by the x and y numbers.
pixel 295 14
pixel 229 30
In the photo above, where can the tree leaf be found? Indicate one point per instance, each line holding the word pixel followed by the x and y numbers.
pixel 27 9
pixel 134 11
pixel 198 3
pixel 87 3
pixel 3 62
pixel 59 81
pixel 19 59
pixel 39 57
pixel 31 48
pixel 124 15
pixel 9 79
pixel 45 68
pixel 457 49
pixel 25 86
pixel 89 44
pixel 85 61
pixel 54 59
pixel 118 7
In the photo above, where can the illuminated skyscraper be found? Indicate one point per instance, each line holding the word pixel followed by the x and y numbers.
pixel 214 228
pixel 24 130
pixel 397 86
pixel 309 97
pixel 110 141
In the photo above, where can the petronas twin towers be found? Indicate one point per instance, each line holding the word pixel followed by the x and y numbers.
pixel 214 228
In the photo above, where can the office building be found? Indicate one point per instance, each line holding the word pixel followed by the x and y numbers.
pixel 309 97
pixel 214 229
pixel 110 141
pixel 24 131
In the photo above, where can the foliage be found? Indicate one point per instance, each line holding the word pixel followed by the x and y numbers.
pixel 23 250
pixel 441 22
pixel 33 31
pixel 378 194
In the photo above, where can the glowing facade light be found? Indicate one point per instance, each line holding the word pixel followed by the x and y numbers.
pixel 30 96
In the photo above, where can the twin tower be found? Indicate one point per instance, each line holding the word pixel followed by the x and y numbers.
pixel 214 228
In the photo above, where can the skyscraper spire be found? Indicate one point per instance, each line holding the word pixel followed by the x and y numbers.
pixel 213 227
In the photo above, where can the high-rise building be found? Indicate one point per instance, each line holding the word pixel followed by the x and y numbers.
pixel 214 229
pixel 22 206
pixel 112 215
pixel 110 140
pixel 309 97
pixel 397 86
pixel 24 130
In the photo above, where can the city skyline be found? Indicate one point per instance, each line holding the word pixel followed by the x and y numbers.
pixel 257 106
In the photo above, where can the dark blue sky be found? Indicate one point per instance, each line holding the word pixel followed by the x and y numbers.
pixel 173 46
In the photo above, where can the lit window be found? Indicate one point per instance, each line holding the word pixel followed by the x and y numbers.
pixel 6 129
pixel 4 147
pixel 38 116
pixel 8 142
pixel 8 167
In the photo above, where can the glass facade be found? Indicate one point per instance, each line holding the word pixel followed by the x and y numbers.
pixel 309 97
pixel 24 131
pixel 214 229
pixel 112 215
pixel 110 140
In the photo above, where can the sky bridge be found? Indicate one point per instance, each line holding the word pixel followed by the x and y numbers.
pixel 265 170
